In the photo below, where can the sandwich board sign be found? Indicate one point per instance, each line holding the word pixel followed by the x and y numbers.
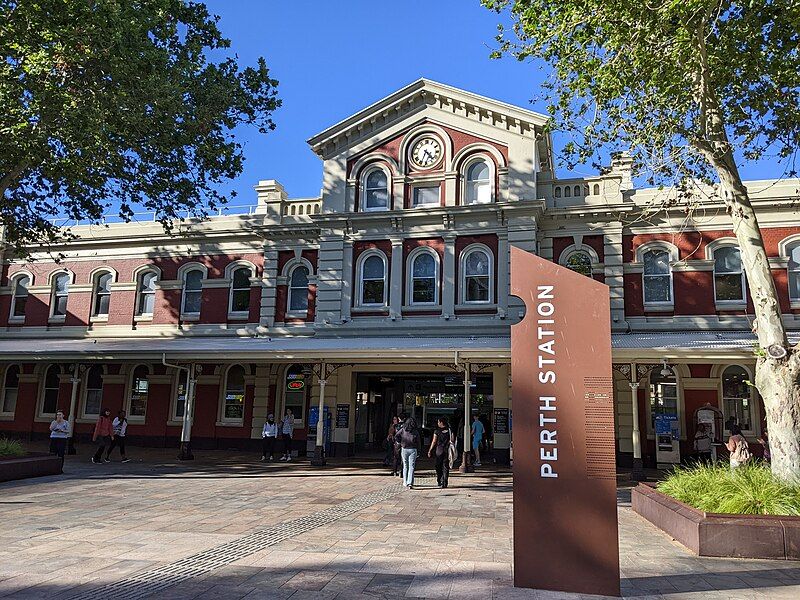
pixel 565 503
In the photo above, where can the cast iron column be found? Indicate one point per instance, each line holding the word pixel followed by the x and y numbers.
pixel 319 449
pixel 465 466
pixel 638 470
pixel 76 373
pixel 185 452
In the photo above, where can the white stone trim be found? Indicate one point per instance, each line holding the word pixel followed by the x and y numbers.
pixel 3 374
pixel 410 277
pixel 711 248
pixel 464 171
pixel 223 389
pixel 717 371
pixel 183 271
pixel 462 273
pixel 84 390
pixel 129 391
pixel 42 373
pixel 359 280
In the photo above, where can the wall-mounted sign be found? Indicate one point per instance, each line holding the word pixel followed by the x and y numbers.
pixel 565 502
pixel 342 416
pixel 295 382
pixel 501 420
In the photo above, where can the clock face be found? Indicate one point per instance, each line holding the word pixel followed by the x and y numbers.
pixel 426 152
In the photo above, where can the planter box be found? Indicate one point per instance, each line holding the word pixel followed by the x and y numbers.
pixel 32 465
pixel 712 534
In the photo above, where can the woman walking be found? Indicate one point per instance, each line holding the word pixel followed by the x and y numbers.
pixel 120 426
pixel 269 434
pixel 59 432
pixel 441 445
pixel 738 446
pixel 287 429
pixel 409 438
pixel 103 434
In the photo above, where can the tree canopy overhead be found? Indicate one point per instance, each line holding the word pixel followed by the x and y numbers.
pixel 661 78
pixel 118 102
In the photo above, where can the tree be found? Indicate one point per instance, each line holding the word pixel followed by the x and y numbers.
pixel 118 101
pixel 687 85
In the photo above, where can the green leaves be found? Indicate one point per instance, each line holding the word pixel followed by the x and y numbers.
pixel 118 101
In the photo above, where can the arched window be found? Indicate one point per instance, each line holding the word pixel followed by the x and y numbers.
pixel 424 279
pixel 93 396
pixel 477 275
pixel 102 294
pixel 147 293
pixel 376 190
pixel 60 294
pixel 192 292
pixel 576 191
pixel 240 290
pixel 233 401
pixel 596 189
pixel 52 381
pixel 479 185
pixel 372 281
pixel 567 191
pixel 20 298
pixel 10 390
pixel 139 390
pixel 793 250
pixel 298 289
pixel 663 393
pixel 657 276
pixel 728 275
pixel 737 398
pixel 580 262
pixel 557 192
pixel 295 390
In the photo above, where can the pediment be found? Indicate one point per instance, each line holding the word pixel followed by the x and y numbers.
pixel 424 95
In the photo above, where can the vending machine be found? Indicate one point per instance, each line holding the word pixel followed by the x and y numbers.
pixel 668 435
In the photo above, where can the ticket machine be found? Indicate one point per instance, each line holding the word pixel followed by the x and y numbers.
pixel 668 435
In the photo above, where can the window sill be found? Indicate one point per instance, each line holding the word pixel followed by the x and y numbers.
pixel 99 319
pixel 238 316
pixel 191 317
pixel 57 320
pixel 143 318
pixel 795 304
pixel 297 314
pixel 16 320
pixel 6 416
pixel 468 305
pixel 136 420
pixel 368 308
pixel 230 423
pixel 659 307
pixel 730 305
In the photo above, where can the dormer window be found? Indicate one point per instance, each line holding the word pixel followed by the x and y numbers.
pixel 426 196
pixel 376 190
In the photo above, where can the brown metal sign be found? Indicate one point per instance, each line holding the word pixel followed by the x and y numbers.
pixel 565 508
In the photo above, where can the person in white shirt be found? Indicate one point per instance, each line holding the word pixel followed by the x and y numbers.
pixel 120 425
pixel 268 435
pixel 287 428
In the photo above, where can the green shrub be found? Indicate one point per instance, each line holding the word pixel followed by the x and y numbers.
pixel 749 490
pixel 9 447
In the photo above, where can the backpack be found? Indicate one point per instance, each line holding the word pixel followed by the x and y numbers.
pixel 741 453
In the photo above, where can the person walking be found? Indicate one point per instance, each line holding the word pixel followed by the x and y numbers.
pixel 287 429
pixel 441 446
pixel 268 436
pixel 103 435
pixel 702 444
pixel 388 459
pixel 477 438
pixel 738 446
pixel 120 427
pixel 409 437
pixel 59 432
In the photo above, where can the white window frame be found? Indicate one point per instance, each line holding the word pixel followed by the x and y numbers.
pixel 54 318
pixel 223 393
pixel 94 279
pixel 679 401
pixel 43 391
pixel 299 420
pixel 129 392
pixel 183 273
pixel 297 314
pixel 785 247
pixel 363 189
pixel 360 279
pixel 13 318
pixel 3 390
pixel 230 272
pixel 480 158
pixel 755 417
pixel 711 250
pixel 462 275
pixel 138 278
pixel 672 252
pixel 412 257
pixel 430 185
pixel 85 392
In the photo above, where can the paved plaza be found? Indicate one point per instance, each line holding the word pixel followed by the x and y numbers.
pixel 228 526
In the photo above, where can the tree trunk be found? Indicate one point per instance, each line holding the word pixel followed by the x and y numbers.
pixel 778 366
pixel 778 384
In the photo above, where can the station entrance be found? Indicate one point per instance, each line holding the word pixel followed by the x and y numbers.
pixel 425 396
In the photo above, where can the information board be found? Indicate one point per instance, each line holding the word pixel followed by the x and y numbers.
pixel 501 420
pixel 342 416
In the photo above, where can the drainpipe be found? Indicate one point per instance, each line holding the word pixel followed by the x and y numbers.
pixel 185 452
pixel 77 370
pixel 319 449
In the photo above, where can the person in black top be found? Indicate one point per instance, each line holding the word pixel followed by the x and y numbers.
pixel 441 445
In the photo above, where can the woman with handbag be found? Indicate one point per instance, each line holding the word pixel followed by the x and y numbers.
pixel 442 440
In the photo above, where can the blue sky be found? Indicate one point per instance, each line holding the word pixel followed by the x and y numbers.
pixel 334 58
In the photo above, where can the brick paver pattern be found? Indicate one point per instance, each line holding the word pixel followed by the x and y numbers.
pixel 348 531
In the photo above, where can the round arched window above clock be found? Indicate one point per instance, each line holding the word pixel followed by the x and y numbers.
pixel 426 152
